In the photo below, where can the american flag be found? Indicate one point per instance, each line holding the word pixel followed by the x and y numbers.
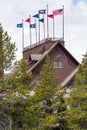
pixel 58 11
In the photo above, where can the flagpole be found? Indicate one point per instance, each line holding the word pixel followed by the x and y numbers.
pixel 36 31
pixel 30 30
pixel 47 24
pixel 44 27
pixel 22 34
pixel 63 22
pixel 53 28
pixel 39 28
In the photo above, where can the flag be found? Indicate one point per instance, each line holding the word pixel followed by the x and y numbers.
pixel 28 20
pixel 20 25
pixel 41 20
pixel 33 25
pixel 58 11
pixel 42 11
pixel 51 16
pixel 36 15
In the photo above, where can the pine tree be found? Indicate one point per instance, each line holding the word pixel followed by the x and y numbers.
pixel 49 99
pixel 17 96
pixel 7 52
pixel 81 76
pixel 77 113
pixel 48 80
pixel 7 55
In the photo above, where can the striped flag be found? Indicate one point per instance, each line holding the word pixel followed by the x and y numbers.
pixel 58 11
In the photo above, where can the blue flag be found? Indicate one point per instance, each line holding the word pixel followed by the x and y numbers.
pixel 33 25
pixel 41 20
pixel 20 25
pixel 36 15
pixel 42 11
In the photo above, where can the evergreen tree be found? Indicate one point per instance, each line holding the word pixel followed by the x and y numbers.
pixel 17 99
pixel 45 110
pixel 7 55
pixel 7 52
pixel 77 113
pixel 48 80
pixel 49 99
pixel 81 76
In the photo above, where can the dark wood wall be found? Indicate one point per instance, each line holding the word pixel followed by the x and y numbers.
pixel 58 53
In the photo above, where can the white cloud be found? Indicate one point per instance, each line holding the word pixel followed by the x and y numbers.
pixel 12 13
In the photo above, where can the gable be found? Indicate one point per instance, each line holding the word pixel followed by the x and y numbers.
pixel 58 53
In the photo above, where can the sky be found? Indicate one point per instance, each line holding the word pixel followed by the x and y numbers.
pixel 75 23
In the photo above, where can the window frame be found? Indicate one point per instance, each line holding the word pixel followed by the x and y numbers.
pixel 57 64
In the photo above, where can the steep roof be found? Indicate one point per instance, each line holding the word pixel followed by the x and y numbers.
pixel 41 57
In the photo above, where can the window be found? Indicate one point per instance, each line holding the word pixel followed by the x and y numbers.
pixel 57 64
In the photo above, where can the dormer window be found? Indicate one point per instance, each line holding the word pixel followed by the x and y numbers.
pixel 57 64
pixel 35 57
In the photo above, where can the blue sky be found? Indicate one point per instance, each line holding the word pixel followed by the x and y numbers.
pixel 75 19
pixel 76 1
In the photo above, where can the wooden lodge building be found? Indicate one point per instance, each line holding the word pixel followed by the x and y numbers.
pixel 64 63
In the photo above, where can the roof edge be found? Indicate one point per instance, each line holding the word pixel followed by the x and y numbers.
pixel 64 83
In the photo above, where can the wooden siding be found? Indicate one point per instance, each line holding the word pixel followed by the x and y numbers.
pixel 58 53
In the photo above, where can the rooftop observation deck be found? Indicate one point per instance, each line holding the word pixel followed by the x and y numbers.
pixel 42 42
